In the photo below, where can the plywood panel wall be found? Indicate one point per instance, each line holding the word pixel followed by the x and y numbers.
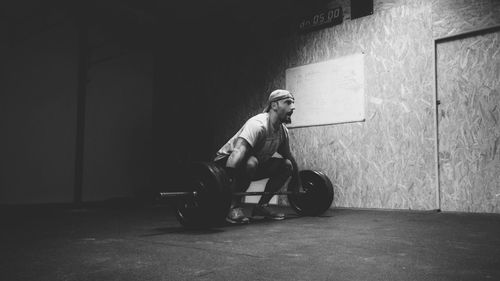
pixel 387 161
pixel 469 128
pixel 454 16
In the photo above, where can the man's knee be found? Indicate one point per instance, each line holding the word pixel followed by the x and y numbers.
pixel 252 164
pixel 287 167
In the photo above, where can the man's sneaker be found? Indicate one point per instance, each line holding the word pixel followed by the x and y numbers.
pixel 266 212
pixel 236 216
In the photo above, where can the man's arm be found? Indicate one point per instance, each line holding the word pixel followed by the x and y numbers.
pixel 284 150
pixel 240 152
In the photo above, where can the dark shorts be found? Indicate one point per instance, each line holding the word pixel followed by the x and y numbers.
pixel 271 167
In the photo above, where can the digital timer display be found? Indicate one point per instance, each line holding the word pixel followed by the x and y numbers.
pixel 321 19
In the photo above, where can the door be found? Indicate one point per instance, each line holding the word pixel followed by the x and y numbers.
pixel 468 75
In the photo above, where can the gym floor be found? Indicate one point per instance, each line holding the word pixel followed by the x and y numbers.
pixel 146 243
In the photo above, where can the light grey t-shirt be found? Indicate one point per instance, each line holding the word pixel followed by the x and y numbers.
pixel 259 133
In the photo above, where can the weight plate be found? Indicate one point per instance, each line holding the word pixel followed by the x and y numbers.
pixel 213 196
pixel 318 196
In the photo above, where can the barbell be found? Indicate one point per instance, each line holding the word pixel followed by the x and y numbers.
pixel 207 196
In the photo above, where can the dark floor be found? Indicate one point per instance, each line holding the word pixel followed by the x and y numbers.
pixel 147 243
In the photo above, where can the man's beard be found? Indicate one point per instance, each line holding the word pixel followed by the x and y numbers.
pixel 288 119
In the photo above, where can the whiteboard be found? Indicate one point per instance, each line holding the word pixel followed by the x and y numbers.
pixel 328 92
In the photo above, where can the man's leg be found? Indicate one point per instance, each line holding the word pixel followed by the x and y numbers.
pixel 242 178
pixel 278 170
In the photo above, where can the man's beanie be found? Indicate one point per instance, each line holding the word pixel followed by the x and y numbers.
pixel 277 95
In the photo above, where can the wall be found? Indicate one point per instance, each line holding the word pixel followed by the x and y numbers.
pixel 389 160
pixel 118 123
pixel 183 106
pixel 37 113
pixel 452 17
pixel 38 100
pixel 118 138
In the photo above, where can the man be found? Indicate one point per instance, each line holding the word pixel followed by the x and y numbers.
pixel 247 156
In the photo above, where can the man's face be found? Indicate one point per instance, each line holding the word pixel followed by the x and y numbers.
pixel 285 110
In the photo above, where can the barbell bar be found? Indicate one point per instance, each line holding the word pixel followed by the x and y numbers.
pixel 177 194
pixel 207 197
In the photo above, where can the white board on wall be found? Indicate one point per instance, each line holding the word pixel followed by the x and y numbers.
pixel 328 92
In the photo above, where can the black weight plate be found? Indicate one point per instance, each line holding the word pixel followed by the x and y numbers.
pixel 318 196
pixel 211 204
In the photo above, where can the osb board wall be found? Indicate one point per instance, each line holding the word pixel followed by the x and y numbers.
pixel 469 128
pixel 387 161
pixel 455 16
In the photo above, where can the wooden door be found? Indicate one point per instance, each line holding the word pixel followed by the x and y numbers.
pixel 468 84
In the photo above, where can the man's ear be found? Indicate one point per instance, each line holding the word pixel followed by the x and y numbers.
pixel 274 105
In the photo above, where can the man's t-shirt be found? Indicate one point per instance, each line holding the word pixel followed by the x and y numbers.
pixel 259 133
